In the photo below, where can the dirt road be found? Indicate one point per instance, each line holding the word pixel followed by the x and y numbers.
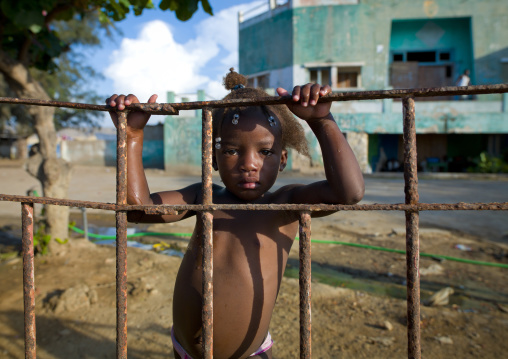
pixel 98 184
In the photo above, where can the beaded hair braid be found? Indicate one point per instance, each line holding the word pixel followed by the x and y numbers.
pixel 293 135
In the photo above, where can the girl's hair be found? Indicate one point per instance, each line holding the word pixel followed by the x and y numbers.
pixel 293 135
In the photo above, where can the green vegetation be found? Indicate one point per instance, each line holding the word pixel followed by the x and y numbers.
pixel 486 163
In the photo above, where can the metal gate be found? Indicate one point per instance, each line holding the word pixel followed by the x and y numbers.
pixel 411 207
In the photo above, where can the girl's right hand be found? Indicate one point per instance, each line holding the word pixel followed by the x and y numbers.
pixel 136 120
pixel 306 103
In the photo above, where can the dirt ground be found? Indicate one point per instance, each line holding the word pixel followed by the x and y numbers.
pixel 358 306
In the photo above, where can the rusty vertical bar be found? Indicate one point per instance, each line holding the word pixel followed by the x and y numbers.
pixel 412 240
pixel 305 286
pixel 27 243
pixel 207 219
pixel 121 238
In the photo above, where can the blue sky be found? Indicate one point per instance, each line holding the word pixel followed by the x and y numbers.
pixel 157 53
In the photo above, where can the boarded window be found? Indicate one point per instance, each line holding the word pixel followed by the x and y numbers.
pixel 348 77
pixel 336 77
pixel 320 75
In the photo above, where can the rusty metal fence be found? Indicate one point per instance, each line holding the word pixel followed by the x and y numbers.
pixel 411 207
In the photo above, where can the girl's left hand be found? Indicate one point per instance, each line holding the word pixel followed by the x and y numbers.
pixel 305 103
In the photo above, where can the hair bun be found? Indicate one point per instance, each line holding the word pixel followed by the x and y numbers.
pixel 233 79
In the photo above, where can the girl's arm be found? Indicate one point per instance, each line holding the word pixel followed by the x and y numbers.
pixel 138 192
pixel 344 180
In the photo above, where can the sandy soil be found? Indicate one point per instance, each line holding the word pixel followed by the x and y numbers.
pixel 358 310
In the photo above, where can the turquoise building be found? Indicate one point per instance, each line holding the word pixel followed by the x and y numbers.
pixel 182 135
pixel 356 45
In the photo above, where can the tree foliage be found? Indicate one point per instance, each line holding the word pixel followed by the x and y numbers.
pixel 67 81
pixel 42 34
pixel 70 82
pixel 36 38
pixel 24 23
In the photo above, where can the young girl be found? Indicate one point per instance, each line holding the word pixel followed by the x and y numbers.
pixel 250 248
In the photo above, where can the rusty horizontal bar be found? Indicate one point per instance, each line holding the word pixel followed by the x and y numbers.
pixel 328 207
pixel 153 108
pixel 173 108
pixel 348 96
pixel 172 209
pixel 72 203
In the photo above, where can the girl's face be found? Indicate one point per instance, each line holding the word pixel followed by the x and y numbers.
pixel 251 154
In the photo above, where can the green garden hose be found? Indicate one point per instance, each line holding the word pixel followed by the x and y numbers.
pixel 366 246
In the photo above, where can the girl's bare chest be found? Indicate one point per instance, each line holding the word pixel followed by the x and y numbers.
pixel 247 222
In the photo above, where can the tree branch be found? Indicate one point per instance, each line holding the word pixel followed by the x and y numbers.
pixel 57 10
pixel 23 49
pixel 18 77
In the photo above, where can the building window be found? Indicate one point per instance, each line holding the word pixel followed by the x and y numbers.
pixel 432 56
pixel 421 56
pixel 348 77
pixel 262 81
pixel 336 76
pixel 398 57
pixel 444 56
pixel 320 76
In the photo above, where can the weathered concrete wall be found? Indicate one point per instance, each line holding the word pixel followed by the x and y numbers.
pixel 451 34
pixel 103 152
pixel 88 152
pixel 353 33
pixel 13 148
pixel 282 78
pixel 154 133
pixel 270 44
pixel 182 143
pixel 314 31
pixel 438 123
pixel 5 149
pixel 359 142
pixel 183 135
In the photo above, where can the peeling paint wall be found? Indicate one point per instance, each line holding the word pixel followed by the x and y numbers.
pixel 283 42
pixel 359 142
pixel 103 152
pixel 359 31
pixel 267 45
pixel 425 122
pixel 182 143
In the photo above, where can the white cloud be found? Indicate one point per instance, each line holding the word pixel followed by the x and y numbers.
pixel 155 63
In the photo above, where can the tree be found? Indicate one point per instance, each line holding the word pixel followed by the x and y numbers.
pixel 34 45
pixel 67 83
